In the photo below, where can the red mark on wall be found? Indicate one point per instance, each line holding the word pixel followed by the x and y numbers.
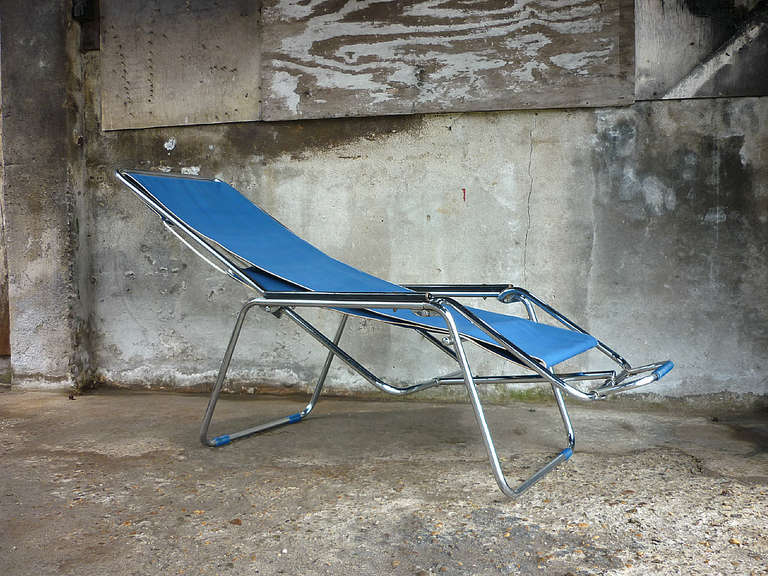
pixel 464 194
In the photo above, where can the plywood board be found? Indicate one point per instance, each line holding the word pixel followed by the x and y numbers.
pixel 175 62
pixel 360 58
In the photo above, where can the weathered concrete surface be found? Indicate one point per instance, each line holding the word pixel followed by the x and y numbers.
pixel 39 144
pixel 624 219
pixel 699 49
pixel 118 483
pixel 680 253
pixel 5 325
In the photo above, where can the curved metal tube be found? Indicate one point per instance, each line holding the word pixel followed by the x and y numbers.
pixel 354 364
pixel 657 371
pixel 446 308
pixel 172 229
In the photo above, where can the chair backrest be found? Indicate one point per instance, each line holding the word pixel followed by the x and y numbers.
pixel 281 261
pixel 224 216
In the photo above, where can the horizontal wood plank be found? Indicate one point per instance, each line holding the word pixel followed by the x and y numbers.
pixel 360 58
pixel 175 62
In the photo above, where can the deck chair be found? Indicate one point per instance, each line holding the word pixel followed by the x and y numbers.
pixel 288 274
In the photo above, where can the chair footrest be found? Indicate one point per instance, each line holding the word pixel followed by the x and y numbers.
pixel 634 378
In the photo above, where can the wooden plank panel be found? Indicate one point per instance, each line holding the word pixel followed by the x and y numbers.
pixel 176 62
pixel 360 58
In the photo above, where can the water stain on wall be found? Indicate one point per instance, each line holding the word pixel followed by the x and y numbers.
pixel 670 166
pixel 682 225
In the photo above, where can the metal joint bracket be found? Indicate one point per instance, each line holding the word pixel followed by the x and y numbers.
pixel 276 311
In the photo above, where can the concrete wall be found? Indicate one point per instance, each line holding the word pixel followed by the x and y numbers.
pixel 646 224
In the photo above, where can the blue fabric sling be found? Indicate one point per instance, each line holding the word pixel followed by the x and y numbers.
pixel 280 261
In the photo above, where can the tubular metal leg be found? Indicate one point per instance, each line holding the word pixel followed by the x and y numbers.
pixel 290 419
pixel 485 431
pixel 564 415
pixel 326 367
pixel 458 354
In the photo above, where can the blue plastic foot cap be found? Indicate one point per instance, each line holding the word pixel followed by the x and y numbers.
pixel 221 440
pixel 568 452
pixel 663 369
pixel 294 417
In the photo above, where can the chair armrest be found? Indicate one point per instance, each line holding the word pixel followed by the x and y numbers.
pixel 390 297
pixel 461 290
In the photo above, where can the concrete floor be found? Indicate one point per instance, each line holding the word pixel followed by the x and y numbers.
pixel 117 483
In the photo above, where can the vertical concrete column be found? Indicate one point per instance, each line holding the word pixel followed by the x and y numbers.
pixel 5 328
pixel 5 324
pixel 37 190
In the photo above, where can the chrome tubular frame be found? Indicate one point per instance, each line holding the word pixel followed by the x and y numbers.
pixel 283 303
pixel 431 299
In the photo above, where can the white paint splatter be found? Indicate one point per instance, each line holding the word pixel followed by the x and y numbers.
pixel 629 187
pixel 190 170
pixel 578 60
pixel 559 10
pixel 658 196
pixel 170 144
pixel 530 44
pixel 285 87
pixel 525 74
pixel 690 164
pixel 743 155
pixel 715 215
